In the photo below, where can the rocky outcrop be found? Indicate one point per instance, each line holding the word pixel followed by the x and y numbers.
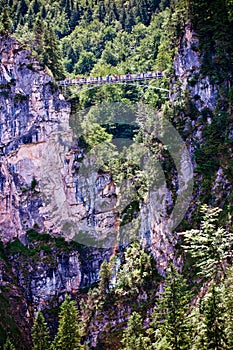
pixel 204 122
pixel 188 72
pixel 31 109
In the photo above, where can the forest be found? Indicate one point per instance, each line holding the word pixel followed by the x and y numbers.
pixel 132 306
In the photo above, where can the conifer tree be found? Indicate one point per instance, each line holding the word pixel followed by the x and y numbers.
pixel 89 308
pixel 228 304
pixel 123 16
pixel 8 345
pixel 38 30
pixel 214 335
pixel 88 15
pixel 40 334
pixel 101 11
pixel 52 53
pixel 35 6
pixel 129 21
pixel 169 317
pixel 69 333
pixel 6 21
pixel 21 10
pixel 75 17
pixel 43 12
pixel 133 337
pixel 143 12
pixel 135 273
pixel 115 11
pixel 211 245
pixel 105 277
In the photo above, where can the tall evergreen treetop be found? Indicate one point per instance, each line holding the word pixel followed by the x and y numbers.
pixel 69 334
pixel 134 337
pixel 211 245
pixel 169 317
pixel 40 333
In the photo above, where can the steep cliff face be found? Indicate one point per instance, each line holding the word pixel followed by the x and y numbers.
pixel 31 109
pixel 33 114
pixel 188 71
pixel 206 121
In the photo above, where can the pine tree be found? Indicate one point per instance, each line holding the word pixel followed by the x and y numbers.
pixel 68 8
pixel 211 245
pixel 6 21
pixel 75 17
pixel 129 21
pixel 22 10
pixel 52 53
pixel 169 316
pixel 38 30
pixel 135 273
pixel 8 345
pixel 143 12
pixel 35 6
pixel 40 334
pixel 43 12
pixel 134 337
pixel 105 277
pixel 88 15
pixel 213 335
pixel 228 304
pixel 115 11
pixel 89 307
pixel 69 334
pixel 123 16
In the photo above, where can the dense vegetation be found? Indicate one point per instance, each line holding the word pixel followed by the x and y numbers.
pixel 184 315
pixel 194 308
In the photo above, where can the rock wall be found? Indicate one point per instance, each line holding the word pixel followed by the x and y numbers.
pixel 205 122
pixel 31 109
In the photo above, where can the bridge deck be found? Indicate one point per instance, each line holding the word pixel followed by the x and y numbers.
pixel 111 79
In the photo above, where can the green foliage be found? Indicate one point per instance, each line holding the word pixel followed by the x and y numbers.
pixel 227 302
pixel 209 322
pixel 8 345
pixel 134 337
pixel 6 23
pixel 116 37
pixel 211 245
pixel 135 272
pixel 213 22
pixel 69 333
pixel 170 320
pixel 15 247
pixel 8 323
pixel 40 333
pixel 52 53
pixel 33 235
pixel 213 321
pixel 124 33
pixel 105 275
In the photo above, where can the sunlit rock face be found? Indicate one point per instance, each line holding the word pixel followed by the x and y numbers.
pixel 31 109
pixel 207 101
pixel 187 69
pixel 39 184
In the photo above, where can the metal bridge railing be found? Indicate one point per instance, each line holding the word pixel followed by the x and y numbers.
pixel 111 79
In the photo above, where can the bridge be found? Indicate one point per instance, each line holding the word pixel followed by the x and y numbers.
pixel 127 79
